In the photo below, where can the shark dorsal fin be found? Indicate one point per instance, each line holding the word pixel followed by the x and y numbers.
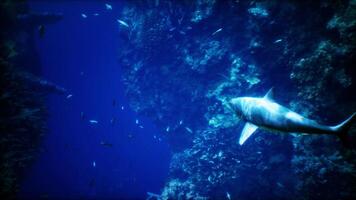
pixel 269 95
pixel 248 130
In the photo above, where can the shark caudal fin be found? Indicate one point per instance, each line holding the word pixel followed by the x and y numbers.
pixel 342 129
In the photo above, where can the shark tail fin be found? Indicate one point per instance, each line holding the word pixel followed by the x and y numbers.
pixel 342 129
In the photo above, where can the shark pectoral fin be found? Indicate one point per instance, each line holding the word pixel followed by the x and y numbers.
pixel 269 95
pixel 248 130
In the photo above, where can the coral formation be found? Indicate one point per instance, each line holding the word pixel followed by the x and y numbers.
pixel 192 56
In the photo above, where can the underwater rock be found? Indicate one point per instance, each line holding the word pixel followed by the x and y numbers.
pixel 344 21
pixel 36 19
pixel 22 126
pixel 210 53
pixel 37 83
pixel 22 93
pixel 202 10
pixel 176 70
pixel 258 11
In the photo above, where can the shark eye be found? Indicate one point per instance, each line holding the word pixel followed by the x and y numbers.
pixel 238 112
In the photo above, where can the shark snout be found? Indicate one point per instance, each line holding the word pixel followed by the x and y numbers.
pixel 234 105
pixel 231 104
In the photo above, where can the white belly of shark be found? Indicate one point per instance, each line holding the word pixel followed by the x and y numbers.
pixel 266 113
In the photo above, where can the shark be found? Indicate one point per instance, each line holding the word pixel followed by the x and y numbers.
pixel 264 112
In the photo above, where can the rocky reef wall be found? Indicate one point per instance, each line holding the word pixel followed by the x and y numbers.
pixel 181 60
pixel 22 93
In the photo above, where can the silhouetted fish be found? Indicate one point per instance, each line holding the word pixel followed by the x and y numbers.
pixel 41 30
pixel 105 144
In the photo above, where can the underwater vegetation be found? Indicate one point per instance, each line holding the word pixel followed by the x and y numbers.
pixel 182 60
pixel 22 93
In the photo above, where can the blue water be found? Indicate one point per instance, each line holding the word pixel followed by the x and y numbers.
pixel 80 55
pixel 195 57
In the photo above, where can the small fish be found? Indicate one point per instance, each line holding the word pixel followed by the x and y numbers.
pixel 172 29
pixel 93 121
pixel 136 121
pixel 217 31
pixel 92 182
pixel 180 20
pixel 228 196
pixel 105 144
pixel 41 30
pixel 278 41
pixel 180 122
pixel 153 196
pixel 167 129
pixel 94 164
pixel 84 15
pixel 96 14
pixel 209 179
pixel 108 6
pixel 122 107
pixel 280 185
pixel 69 96
pixel 112 121
pixel 182 32
pixel 188 129
pixel 123 23
pixel 82 116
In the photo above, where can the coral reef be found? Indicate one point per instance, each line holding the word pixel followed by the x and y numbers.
pixel 215 165
pixel 22 93
pixel 190 57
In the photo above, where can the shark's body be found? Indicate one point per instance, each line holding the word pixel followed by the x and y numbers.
pixel 266 113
